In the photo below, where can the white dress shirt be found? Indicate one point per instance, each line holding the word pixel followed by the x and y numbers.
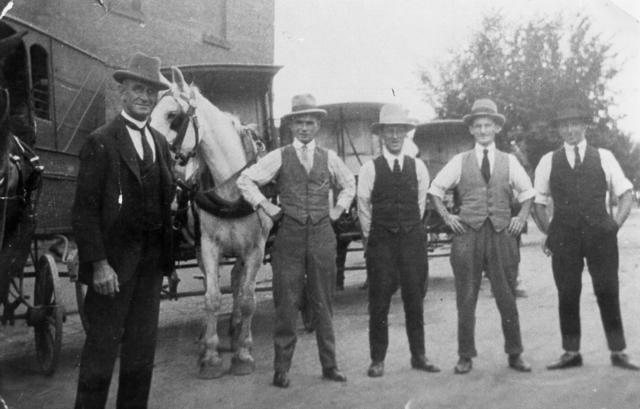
pixel 613 173
pixel 367 177
pixel 136 138
pixel 449 176
pixel 266 169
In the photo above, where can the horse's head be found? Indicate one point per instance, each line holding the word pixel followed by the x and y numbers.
pixel 195 128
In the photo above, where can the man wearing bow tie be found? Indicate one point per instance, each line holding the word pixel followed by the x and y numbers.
pixel 122 224
pixel 485 231
pixel 577 177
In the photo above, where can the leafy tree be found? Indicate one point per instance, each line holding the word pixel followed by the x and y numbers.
pixel 530 70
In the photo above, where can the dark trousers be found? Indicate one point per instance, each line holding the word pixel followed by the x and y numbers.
pixel 497 254
pixel 396 260
pixel 303 254
pixel 599 246
pixel 129 321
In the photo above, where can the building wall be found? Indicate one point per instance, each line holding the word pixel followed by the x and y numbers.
pixel 189 32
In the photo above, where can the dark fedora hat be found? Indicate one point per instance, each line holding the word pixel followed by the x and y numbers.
pixel 144 69
pixel 484 108
pixel 304 104
pixel 572 112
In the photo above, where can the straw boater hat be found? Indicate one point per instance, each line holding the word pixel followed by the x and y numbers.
pixel 392 114
pixel 304 104
pixel 484 108
pixel 572 113
pixel 144 69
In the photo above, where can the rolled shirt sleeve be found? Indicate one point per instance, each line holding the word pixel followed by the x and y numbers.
pixel 258 175
pixel 616 180
pixel 366 177
pixel 519 180
pixel 343 178
pixel 541 180
pixel 422 174
pixel 447 178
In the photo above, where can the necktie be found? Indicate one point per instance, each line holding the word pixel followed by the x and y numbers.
pixel 484 168
pixel 147 153
pixel 577 160
pixel 396 166
pixel 305 158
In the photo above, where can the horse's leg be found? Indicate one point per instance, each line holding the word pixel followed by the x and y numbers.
pixel 236 314
pixel 210 362
pixel 242 362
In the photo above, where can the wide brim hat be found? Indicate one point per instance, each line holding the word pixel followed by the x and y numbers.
pixel 144 69
pixel 484 108
pixel 572 113
pixel 392 114
pixel 304 104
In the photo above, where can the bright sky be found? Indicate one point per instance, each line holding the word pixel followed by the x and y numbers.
pixel 371 50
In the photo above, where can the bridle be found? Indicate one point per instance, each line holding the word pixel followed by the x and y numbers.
pixel 180 124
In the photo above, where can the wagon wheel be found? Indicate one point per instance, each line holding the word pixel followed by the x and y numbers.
pixel 81 292
pixel 47 314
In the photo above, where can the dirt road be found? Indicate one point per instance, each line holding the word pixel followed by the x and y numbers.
pixel 491 384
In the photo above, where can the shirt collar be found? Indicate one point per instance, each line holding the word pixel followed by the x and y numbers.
pixel 139 124
pixel 298 145
pixel 389 157
pixel 582 145
pixel 480 148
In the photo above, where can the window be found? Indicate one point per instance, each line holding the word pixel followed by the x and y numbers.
pixel 40 81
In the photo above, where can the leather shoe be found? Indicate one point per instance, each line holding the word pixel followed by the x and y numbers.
pixel 333 374
pixel 281 379
pixel 376 369
pixel 621 360
pixel 567 360
pixel 516 362
pixel 422 363
pixel 463 366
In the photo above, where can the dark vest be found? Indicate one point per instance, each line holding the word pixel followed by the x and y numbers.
pixel 578 195
pixel 304 196
pixel 394 198
pixel 481 200
pixel 151 217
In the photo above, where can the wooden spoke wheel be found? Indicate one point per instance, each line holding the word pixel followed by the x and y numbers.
pixel 47 314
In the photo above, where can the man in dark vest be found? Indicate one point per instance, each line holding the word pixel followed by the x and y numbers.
pixel 304 251
pixel 485 231
pixel 392 194
pixel 122 225
pixel 577 178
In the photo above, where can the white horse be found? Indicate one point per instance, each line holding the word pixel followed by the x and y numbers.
pixel 199 131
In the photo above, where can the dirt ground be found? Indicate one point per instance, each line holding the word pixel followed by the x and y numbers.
pixel 491 384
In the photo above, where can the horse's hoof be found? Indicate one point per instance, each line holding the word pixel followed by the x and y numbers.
pixel 240 367
pixel 210 371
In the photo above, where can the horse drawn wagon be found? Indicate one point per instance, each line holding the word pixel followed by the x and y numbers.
pixel 59 94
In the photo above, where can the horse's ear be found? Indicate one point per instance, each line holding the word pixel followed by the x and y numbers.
pixel 164 80
pixel 178 78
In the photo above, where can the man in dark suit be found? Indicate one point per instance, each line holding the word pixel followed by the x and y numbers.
pixel 122 225
pixel 577 177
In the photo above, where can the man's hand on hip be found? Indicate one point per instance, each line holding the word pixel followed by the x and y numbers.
pixel 454 221
pixel 515 226
pixel 273 211
pixel 105 279
pixel 335 213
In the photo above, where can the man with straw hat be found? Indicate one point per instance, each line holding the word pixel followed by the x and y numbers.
pixel 485 232
pixel 305 245
pixel 121 220
pixel 577 177
pixel 392 193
